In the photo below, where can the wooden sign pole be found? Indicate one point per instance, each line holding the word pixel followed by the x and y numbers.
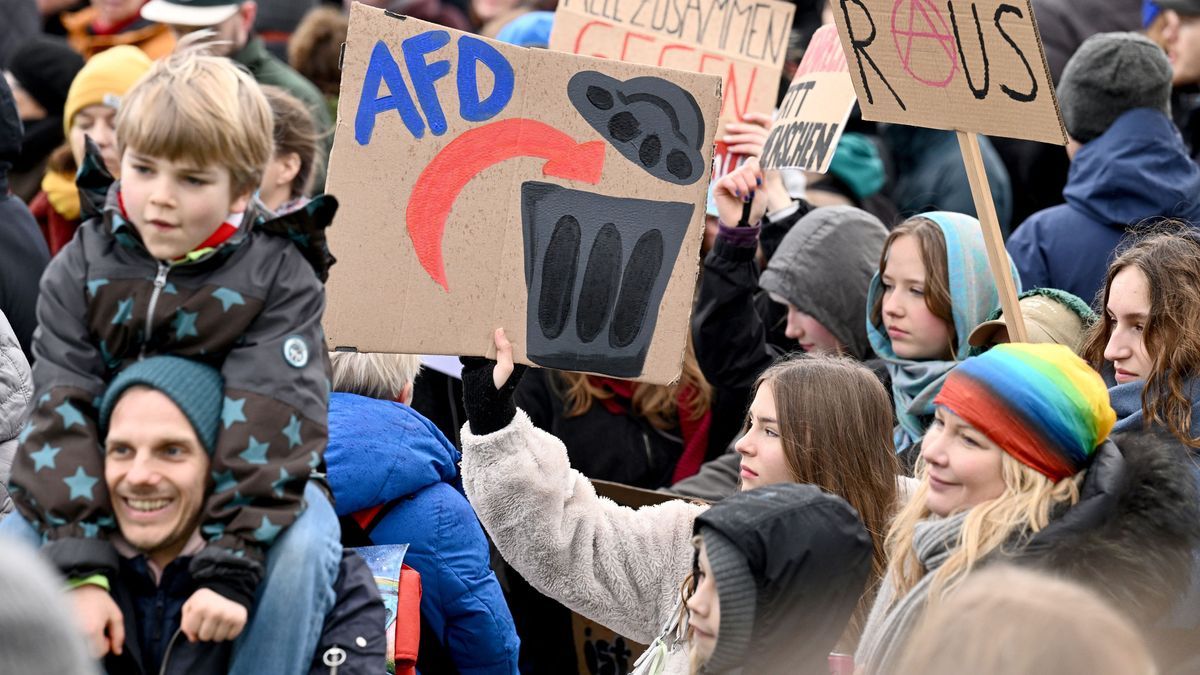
pixel 968 142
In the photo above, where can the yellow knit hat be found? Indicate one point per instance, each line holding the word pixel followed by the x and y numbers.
pixel 105 78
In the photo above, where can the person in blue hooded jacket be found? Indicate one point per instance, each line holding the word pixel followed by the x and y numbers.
pixel 382 453
pixel 1129 165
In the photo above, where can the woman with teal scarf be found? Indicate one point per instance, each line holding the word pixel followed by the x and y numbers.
pixel 932 288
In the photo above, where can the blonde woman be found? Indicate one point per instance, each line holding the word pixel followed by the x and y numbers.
pixel 1018 465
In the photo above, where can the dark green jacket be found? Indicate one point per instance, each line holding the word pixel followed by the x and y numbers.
pixel 268 69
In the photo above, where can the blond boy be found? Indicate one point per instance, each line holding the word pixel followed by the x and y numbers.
pixel 176 259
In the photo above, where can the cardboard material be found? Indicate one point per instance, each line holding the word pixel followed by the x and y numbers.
pixel 469 173
pixel 964 66
pixel 813 115
pixel 743 41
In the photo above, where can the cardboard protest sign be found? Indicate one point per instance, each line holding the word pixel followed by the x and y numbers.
pixel 743 41
pixel 485 185
pixel 813 115
pixel 966 66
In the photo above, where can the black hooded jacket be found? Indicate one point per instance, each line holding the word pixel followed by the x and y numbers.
pixel 810 557
pixel 1133 531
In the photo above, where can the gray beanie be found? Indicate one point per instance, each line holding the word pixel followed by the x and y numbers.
pixel 737 592
pixel 37 633
pixel 1110 74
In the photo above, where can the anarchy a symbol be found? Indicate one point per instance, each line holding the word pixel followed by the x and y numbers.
pixel 917 25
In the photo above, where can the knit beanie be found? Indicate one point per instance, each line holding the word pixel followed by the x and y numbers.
pixel 45 66
pixel 197 389
pixel 37 633
pixel 1109 75
pixel 737 592
pixel 105 78
pixel 1040 403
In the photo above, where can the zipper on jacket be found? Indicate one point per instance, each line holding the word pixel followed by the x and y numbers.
pixel 160 280
pixel 649 455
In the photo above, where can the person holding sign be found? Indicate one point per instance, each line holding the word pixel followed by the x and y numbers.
pixel 1128 164
pixel 1019 466
pixel 623 568
pixel 932 288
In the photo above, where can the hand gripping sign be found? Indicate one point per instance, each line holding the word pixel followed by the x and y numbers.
pixel 968 66
pixel 485 185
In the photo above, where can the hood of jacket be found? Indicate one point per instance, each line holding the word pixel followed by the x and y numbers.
pixel 1138 169
pixel 16 383
pixel 1132 534
pixel 382 450
pixel 810 556
pixel 823 267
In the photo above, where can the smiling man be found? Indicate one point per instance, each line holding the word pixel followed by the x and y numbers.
pixel 162 416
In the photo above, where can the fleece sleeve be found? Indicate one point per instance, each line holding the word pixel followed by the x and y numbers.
pixel 615 565
pixel 58 473
pixel 273 431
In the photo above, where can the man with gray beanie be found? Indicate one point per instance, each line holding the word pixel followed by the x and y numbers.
pixel 1128 164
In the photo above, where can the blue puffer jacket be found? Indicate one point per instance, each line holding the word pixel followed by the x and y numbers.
pixel 1138 169
pixel 380 451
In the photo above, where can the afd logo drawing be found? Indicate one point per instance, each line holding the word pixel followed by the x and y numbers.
pixel 596 265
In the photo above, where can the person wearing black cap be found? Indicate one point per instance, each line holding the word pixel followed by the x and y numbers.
pixel 1128 164
pixel 1180 37
pixel 39 72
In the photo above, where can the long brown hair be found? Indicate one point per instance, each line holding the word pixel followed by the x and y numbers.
pixel 658 404
pixel 937 271
pixel 835 424
pixel 1170 261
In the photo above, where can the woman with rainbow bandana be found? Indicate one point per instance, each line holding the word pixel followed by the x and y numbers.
pixel 1019 466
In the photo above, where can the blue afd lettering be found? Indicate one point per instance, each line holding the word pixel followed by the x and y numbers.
pixel 424 74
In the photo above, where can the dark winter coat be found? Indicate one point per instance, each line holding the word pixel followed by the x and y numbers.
pixel 1133 535
pixel 152 614
pixel 23 252
pixel 809 555
pixel 251 307
pixel 1139 169
pixel 381 452
pixel 622 448
pixel 931 176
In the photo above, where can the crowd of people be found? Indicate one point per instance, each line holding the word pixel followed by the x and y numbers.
pixel 858 470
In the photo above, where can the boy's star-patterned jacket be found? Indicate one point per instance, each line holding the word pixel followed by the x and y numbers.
pixel 250 307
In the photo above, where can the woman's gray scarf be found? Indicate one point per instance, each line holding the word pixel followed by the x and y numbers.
pixel 889 624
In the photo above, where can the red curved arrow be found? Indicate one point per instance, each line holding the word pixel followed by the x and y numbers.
pixel 444 178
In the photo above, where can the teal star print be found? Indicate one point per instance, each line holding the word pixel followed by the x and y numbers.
pixel 292 431
pixel 81 484
pixel 284 478
pixel 233 411
pixel 228 298
pixel 267 531
pixel 124 311
pixel 223 481
pixel 44 458
pixel 255 452
pixel 94 285
pixel 185 324
pixel 70 416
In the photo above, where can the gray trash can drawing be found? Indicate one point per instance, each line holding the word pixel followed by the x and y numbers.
pixel 596 270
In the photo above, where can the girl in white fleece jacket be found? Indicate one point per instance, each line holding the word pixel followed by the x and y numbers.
pixel 823 421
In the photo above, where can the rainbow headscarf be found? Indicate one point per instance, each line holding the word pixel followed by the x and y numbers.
pixel 1039 402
